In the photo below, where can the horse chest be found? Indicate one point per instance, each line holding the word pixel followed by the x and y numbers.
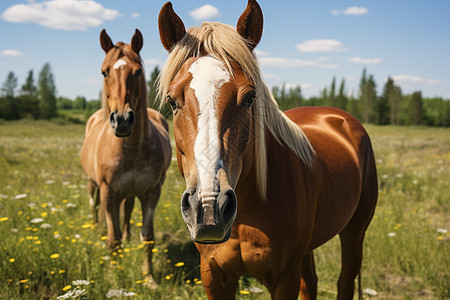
pixel 131 176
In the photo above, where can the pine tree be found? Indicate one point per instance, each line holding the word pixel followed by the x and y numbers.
pixel 9 86
pixel 341 101
pixel 29 105
pixel 46 93
pixel 416 108
pixel 368 97
pixel 9 105
pixel 28 88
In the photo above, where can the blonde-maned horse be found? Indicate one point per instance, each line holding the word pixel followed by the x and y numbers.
pixel 126 151
pixel 263 188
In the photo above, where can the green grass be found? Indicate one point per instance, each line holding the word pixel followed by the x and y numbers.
pixel 41 177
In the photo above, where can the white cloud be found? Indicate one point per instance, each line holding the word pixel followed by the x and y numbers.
pixel 351 11
pixel 410 79
pixel 205 12
pixel 323 58
pixel 135 15
pixel 365 61
pixel 355 11
pixel 260 53
pixel 321 46
pixel 282 62
pixel 61 14
pixel 328 66
pixel 12 53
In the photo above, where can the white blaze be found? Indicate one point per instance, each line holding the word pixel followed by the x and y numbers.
pixel 119 63
pixel 208 75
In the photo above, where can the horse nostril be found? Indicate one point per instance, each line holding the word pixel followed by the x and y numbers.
pixel 185 205
pixel 130 118
pixel 113 119
pixel 229 206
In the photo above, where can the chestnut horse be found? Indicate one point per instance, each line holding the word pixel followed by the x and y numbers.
pixel 263 188
pixel 126 151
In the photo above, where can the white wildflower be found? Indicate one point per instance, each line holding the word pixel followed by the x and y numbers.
pixel 46 226
pixel 391 234
pixel 119 293
pixel 80 282
pixel 49 182
pixel 370 292
pixel 20 196
pixel 442 230
pixel 36 220
pixel 255 289
pixel 71 205
pixel 73 294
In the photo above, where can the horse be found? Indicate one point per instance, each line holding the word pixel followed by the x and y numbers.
pixel 263 188
pixel 126 150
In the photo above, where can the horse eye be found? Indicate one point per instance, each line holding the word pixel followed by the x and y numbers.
pixel 172 103
pixel 104 73
pixel 250 100
pixel 138 72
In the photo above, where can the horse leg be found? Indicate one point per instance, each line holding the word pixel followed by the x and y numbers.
pixel 351 247
pixel 218 285
pixel 111 206
pixel 308 285
pixel 352 236
pixel 148 203
pixel 287 285
pixel 94 199
pixel 128 208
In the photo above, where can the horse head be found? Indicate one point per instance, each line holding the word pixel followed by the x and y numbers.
pixel 213 99
pixel 123 78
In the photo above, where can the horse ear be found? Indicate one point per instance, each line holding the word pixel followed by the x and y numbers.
pixel 250 24
pixel 171 27
pixel 137 41
pixel 105 41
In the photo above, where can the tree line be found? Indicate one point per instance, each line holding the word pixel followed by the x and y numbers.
pixel 391 107
pixel 37 100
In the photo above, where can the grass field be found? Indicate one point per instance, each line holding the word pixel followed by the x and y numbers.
pixel 50 246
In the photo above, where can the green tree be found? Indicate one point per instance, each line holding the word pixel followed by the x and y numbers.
pixel 416 108
pixel 80 103
pixel 341 100
pixel 392 94
pixel 368 95
pixel 29 105
pixel 46 93
pixel 29 88
pixel 10 85
pixel 330 96
pixel 9 105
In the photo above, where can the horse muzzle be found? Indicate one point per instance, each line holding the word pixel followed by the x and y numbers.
pixel 122 123
pixel 209 216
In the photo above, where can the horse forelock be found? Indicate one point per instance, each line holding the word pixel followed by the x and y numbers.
pixel 225 44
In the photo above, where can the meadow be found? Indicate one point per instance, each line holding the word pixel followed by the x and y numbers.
pixel 51 248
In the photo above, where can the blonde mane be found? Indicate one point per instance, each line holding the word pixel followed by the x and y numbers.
pixel 123 50
pixel 224 43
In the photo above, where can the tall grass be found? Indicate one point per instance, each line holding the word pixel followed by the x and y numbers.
pixel 48 239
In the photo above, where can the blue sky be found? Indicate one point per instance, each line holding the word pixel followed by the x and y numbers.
pixel 304 43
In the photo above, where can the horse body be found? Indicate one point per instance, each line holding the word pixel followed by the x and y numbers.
pixel 304 207
pixel 264 188
pixel 131 166
pixel 126 150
